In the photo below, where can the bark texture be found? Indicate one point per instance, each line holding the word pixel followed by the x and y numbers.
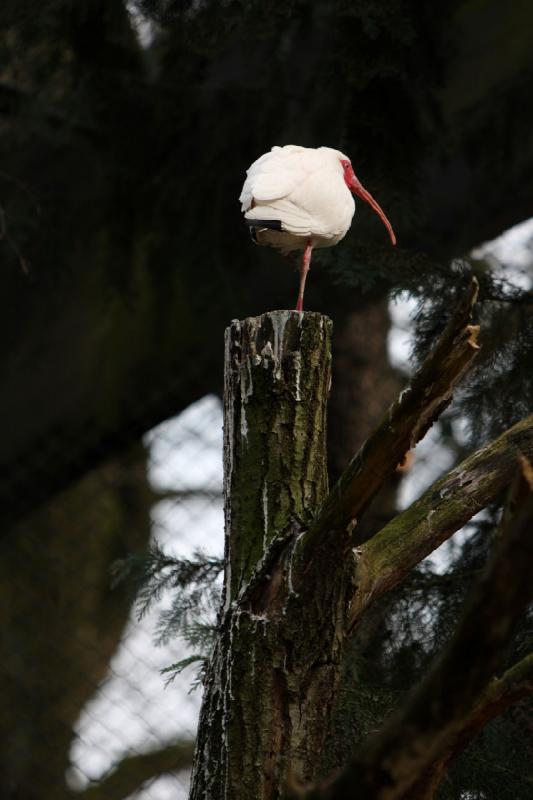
pixel 274 433
pixel 276 663
pixel 295 585
pixel 444 508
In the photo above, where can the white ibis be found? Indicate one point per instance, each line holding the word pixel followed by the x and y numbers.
pixel 299 198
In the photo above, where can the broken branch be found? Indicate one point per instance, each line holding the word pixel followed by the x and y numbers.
pixel 459 684
pixel 405 423
pixel 515 684
pixel 446 506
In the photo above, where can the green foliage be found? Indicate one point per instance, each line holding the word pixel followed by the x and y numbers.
pixel 498 390
pixel 193 587
pixel 173 670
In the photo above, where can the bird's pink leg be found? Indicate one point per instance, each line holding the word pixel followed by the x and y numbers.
pixel 304 269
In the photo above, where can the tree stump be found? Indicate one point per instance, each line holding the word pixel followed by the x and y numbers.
pixel 272 676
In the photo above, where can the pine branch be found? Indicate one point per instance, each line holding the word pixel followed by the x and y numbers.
pixel 404 424
pixel 458 689
pixel 154 572
pixel 446 506
pixel 194 588
pixel 133 771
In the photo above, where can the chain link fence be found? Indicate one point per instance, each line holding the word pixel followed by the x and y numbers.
pixel 86 713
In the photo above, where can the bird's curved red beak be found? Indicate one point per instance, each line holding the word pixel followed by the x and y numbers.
pixel 354 185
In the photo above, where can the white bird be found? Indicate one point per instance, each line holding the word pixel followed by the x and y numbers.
pixel 299 198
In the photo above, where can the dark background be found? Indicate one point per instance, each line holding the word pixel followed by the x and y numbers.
pixel 124 257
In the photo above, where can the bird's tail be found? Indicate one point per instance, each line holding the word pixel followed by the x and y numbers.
pixel 256 224
pixel 272 224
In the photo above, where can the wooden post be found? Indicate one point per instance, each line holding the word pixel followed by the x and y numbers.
pixel 277 376
pixel 266 693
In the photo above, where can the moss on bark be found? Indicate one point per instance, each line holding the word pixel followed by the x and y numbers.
pixel 276 662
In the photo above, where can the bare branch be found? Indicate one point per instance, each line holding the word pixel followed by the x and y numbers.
pixel 501 693
pixel 404 424
pixel 457 692
pixel 183 495
pixel 135 770
pixel 514 684
pixel 445 507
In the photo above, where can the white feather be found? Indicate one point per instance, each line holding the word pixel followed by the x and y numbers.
pixel 304 188
pixel 274 175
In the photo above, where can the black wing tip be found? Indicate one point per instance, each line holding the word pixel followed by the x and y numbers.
pixel 271 224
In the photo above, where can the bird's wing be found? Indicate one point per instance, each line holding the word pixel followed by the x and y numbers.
pixel 274 176
pixel 292 217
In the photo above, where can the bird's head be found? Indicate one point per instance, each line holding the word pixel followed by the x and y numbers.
pixel 354 185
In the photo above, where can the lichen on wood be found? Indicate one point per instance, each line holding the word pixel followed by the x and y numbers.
pixel 273 672
pixel 444 508
pixel 274 433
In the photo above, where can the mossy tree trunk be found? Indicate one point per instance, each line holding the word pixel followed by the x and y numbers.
pixel 295 583
pixel 276 664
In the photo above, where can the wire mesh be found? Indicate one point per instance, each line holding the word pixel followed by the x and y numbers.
pixel 85 713
pixel 86 696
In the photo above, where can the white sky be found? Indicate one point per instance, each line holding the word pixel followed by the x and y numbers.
pixel 132 710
